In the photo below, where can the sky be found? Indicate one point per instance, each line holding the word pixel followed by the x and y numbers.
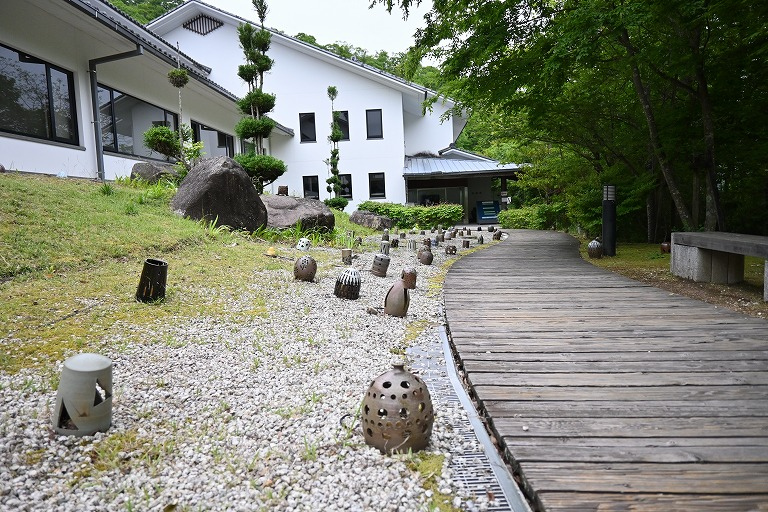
pixel 330 21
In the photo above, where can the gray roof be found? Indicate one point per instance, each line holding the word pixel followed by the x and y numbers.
pixel 454 167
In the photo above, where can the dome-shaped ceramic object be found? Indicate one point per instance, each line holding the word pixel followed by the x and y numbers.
pixel 595 249
pixel 426 257
pixel 497 235
pixel 450 250
pixel 348 284
pixel 396 300
pixel 305 268
pixel 303 244
pixel 397 413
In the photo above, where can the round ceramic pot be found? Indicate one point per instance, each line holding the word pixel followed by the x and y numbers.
pixel 397 413
pixel 666 247
pixel 595 249
pixel 303 244
pixel 426 257
pixel 450 250
pixel 497 235
pixel 305 268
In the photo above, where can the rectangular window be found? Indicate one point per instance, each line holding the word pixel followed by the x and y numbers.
pixel 311 187
pixel 215 143
pixel 343 120
pixel 373 124
pixel 124 119
pixel 376 185
pixel 38 99
pixel 307 127
pixel 346 185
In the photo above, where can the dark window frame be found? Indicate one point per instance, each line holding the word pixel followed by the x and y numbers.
pixel 50 120
pixel 304 117
pixel 343 123
pixel 371 177
pixel 223 140
pixel 371 133
pixel 308 192
pixel 346 185
pixel 170 119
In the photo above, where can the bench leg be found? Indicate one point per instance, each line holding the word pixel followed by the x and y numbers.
pixel 705 265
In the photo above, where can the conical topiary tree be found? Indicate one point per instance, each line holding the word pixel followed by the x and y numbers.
pixel 334 182
pixel 255 126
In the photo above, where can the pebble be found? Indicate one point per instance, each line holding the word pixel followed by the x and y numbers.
pixel 197 425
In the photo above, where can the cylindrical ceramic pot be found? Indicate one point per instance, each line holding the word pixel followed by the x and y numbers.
pixel 384 247
pixel 380 265
pixel 346 256
pixel 595 249
pixel 465 244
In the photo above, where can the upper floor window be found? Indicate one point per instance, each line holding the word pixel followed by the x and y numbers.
pixel 376 185
pixel 343 120
pixel 373 123
pixel 346 185
pixel 38 98
pixel 311 187
pixel 215 143
pixel 307 127
pixel 124 119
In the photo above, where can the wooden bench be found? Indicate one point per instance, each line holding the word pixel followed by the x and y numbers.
pixel 717 257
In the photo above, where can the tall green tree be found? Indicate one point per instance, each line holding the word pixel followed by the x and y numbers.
pixel 334 182
pixel 256 104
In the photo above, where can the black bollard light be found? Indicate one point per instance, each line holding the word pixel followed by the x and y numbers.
pixel 609 220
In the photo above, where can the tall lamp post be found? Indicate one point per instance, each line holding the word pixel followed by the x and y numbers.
pixel 609 220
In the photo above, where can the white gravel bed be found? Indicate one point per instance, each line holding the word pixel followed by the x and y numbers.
pixel 256 415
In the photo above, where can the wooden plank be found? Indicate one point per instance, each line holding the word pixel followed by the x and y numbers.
pixel 644 478
pixel 652 502
pixel 606 393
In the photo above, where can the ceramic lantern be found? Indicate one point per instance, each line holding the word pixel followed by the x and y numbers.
pixel 497 235
pixel 426 257
pixel 305 268
pixel 396 300
pixel 450 250
pixel 595 248
pixel 397 413
pixel 84 396
pixel 666 247
pixel 303 244
pixel 380 265
pixel 348 284
pixel 394 243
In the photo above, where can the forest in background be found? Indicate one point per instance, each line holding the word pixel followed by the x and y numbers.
pixel 665 99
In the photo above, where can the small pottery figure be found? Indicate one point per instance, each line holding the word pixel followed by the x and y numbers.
pixel 305 268
pixel 426 242
pixel 426 257
pixel 397 413
pixel 303 244
pixel 385 237
pixel 666 247
pixel 450 249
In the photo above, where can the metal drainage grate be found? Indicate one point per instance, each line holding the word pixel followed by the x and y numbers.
pixel 473 470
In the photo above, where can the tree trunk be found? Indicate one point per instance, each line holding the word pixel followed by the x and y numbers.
pixel 653 131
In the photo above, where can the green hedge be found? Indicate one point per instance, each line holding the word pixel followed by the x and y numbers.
pixel 540 216
pixel 422 216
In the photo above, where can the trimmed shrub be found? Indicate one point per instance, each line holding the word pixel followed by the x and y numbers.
pixel 339 203
pixel 423 216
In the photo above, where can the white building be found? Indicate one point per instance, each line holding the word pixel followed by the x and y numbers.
pixel 49 50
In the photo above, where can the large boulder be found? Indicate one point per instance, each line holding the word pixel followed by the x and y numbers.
pixel 371 220
pixel 152 172
pixel 286 211
pixel 219 188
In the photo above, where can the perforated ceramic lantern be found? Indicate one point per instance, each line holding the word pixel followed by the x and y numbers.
pixel 305 268
pixel 497 235
pixel 595 249
pixel 303 244
pixel 84 397
pixel 380 265
pixel 348 284
pixel 397 413
pixel 450 250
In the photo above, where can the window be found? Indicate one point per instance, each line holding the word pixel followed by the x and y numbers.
pixel 376 188
pixel 38 98
pixel 346 185
pixel 343 120
pixel 124 119
pixel 373 124
pixel 311 187
pixel 307 127
pixel 215 143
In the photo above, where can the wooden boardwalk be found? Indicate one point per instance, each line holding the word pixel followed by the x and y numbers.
pixel 606 393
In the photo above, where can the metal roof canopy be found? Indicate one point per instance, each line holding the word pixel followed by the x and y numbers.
pixel 453 168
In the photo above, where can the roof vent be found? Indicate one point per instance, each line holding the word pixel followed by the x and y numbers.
pixel 203 24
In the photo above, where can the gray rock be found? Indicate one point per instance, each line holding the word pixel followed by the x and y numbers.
pixel 371 220
pixel 152 172
pixel 286 211
pixel 219 188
